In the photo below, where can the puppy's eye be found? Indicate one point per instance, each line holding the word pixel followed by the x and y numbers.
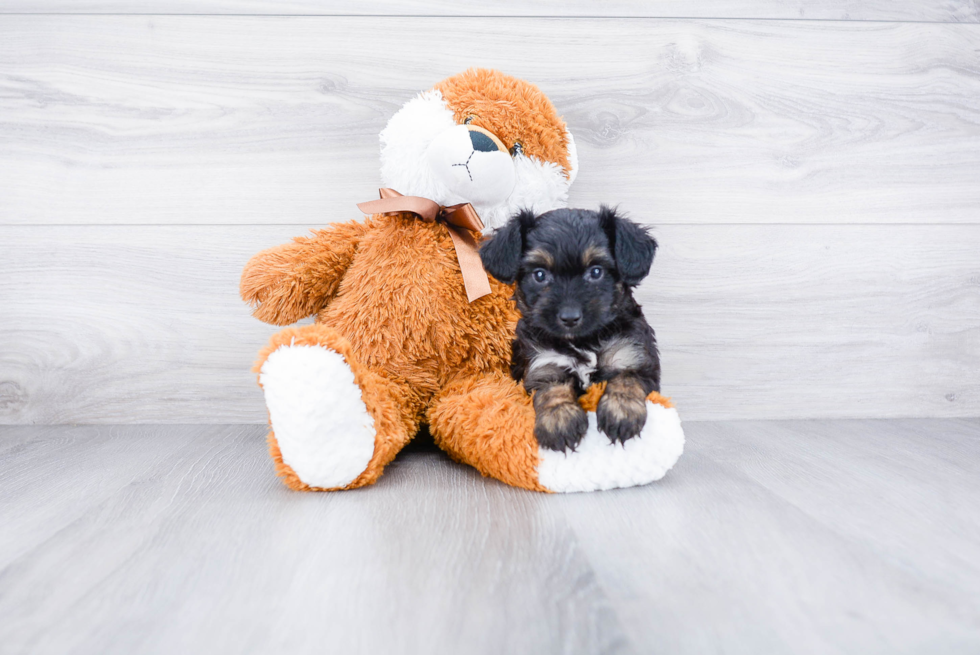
pixel 468 120
pixel 595 273
pixel 540 275
pixel 517 149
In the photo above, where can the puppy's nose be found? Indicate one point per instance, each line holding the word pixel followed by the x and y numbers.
pixel 482 142
pixel 570 316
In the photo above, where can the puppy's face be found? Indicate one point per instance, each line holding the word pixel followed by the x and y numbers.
pixel 573 267
pixel 566 283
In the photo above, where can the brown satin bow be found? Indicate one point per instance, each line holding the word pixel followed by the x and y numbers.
pixel 458 218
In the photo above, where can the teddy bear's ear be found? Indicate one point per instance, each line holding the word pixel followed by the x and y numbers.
pixel 633 247
pixel 501 255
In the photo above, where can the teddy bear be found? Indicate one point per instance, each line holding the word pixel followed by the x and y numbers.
pixel 409 329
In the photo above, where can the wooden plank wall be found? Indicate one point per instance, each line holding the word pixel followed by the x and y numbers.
pixel 869 10
pixel 813 170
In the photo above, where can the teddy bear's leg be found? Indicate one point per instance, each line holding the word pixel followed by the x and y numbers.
pixel 488 422
pixel 335 422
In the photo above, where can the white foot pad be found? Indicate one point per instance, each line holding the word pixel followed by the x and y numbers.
pixel 325 432
pixel 599 464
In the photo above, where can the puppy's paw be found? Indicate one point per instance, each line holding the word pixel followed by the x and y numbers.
pixel 561 427
pixel 621 414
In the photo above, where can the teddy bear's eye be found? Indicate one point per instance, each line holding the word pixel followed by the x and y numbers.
pixel 517 149
pixel 468 120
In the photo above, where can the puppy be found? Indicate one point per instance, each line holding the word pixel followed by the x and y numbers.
pixel 575 272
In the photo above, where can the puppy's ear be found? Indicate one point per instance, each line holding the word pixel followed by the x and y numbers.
pixel 502 254
pixel 633 247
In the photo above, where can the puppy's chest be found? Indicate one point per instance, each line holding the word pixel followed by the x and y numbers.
pixel 610 356
pixel 581 362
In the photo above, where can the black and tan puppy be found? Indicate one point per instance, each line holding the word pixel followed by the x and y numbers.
pixel 575 272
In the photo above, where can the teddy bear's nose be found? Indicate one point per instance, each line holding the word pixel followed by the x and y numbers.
pixel 482 142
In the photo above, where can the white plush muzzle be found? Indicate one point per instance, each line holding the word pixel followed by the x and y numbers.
pixel 481 176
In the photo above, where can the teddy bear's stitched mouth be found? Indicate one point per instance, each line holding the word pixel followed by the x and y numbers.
pixel 466 164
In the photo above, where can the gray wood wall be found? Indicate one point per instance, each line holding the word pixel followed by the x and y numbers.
pixel 812 167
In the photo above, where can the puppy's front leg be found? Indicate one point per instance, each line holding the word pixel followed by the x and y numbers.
pixel 622 410
pixel 559 421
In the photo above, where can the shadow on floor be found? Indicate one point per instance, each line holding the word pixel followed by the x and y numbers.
pixel 422 443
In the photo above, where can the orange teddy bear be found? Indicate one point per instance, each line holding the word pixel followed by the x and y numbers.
pixel 409 329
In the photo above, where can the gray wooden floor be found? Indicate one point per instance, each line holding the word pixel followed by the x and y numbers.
pixel 768 537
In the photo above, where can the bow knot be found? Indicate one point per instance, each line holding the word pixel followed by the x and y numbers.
pixel 458 218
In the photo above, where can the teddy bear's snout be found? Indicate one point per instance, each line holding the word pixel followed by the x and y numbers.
pixel 473 163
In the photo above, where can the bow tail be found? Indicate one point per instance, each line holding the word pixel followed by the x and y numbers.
pixel 475 278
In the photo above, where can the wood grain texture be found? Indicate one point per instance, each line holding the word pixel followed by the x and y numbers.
pixel 877 10
pixel 105 324
pixel 203 549
pixel 258 120
pixel 775 537
pixel 801 537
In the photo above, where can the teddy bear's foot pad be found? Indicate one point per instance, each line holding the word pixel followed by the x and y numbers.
pixel 324 431
pixel 598 464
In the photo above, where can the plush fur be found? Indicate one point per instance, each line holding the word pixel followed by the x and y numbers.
pixel 575 271
pixel 388 298
pixel 392 323
pixel 598 464
pixel 517 113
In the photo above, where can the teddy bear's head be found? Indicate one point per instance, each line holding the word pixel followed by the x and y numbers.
pixel 481 137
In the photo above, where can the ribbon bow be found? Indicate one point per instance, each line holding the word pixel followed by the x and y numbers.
pixel 458 218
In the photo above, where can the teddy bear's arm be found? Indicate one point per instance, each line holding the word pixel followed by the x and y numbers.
pixel 298 279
